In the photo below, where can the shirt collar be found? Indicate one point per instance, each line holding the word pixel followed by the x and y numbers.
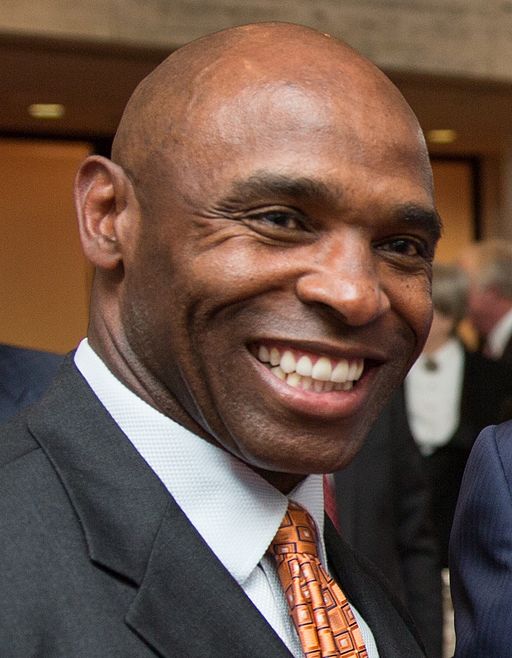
pixel 235 510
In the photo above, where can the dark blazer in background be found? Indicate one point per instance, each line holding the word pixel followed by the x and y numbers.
pixel 481 549
pixel 24 376
pixel 383 504
pixel 97 559
pixel 485 399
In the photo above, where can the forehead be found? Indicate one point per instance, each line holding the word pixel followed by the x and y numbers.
pixel 315 129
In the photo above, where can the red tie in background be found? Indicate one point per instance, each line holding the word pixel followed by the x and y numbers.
pixel 321 613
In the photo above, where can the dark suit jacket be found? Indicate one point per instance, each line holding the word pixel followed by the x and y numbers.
pixel 97 559
pixel 24 376
pixel 486 389
pixel 384 509
pixel 481 549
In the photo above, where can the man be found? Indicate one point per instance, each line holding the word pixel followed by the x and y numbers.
pixel 268 204
pixel 24 376
pixel 489 268
pixel 481 564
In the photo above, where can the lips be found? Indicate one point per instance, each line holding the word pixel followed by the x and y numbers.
pixel 309 371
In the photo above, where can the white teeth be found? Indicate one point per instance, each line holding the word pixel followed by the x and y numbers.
pixel 288 362
pixel 340 372
pixel 294 380
pixel 359 370
pixel 322 369
pixel 321 377
pixel 263 354
pixel 304 366
pixel 275 357
pixel 307 383
pixel 278 372
pixel 352 371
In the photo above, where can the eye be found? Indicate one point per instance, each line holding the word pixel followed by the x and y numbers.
pixel 280 219
pixel 407 246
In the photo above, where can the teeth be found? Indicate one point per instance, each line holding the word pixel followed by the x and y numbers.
pixel 280 374
pixel 307 383
pixel 359 370
pixel 275 357
pixel 322 376
pixel 352 372
pixel 304 366
pixel 322 369
pixel 288 362
pixel 340 372
pixel 263 354
pixel 294 380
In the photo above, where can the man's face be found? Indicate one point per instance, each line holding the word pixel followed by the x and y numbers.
pixel 280 287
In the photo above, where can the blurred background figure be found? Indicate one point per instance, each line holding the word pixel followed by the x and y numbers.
pixel 488 265
pixel 383 509
pixel 24 376
pixel 450 395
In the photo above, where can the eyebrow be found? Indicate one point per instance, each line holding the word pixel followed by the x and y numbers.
pixel 424 218
pixel 263 184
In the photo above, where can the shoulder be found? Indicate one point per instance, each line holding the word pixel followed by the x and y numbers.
pixel 481 548
pixel 15 441
pixel 492 452
pixel 25 359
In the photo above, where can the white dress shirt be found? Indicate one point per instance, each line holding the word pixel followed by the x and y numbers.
pixel 433 396
pixel 234 509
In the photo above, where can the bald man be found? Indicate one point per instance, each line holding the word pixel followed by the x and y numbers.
pixel 262 242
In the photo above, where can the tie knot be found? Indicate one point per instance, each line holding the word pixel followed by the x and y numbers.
pixel 296 534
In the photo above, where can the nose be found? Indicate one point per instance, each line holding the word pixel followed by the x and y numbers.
pixel 346 278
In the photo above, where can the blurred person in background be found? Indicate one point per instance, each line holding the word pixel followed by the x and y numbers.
pixel 488 265
pixel 24 376
pixel 451 394
pixel 383 511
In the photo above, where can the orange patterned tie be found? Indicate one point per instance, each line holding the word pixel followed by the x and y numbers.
pixel 321 613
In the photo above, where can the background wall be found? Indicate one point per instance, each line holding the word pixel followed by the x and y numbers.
pixel 410 35
pixel 44 278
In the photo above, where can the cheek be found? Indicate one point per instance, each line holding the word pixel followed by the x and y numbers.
pixel 414 305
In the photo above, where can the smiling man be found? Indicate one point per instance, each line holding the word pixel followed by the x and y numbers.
pixel 262 239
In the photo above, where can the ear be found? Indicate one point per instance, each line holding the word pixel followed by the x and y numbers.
pixel 103 199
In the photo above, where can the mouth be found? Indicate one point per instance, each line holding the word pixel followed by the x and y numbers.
pixel 308 371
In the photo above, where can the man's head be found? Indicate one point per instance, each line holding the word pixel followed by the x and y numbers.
pixel 270 205
pixel 450 288
pixel 488 265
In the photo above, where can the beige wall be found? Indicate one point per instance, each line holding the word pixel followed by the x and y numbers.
pixel 454 37
pixel 454 200
pixel 44 278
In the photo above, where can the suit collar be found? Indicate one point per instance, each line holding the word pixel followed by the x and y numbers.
pixel 133 528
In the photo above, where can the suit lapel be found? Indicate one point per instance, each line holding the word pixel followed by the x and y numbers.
pixel 186 602
pixel 392 628
pixel 189 605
